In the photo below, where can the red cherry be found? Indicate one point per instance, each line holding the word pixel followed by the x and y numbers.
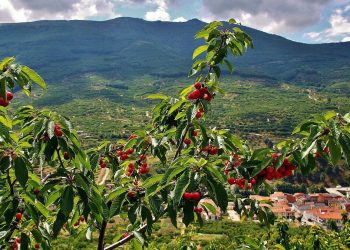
pixel 207 97
pixel 326 150
pixel 9 96
pixel 249 186
pixel 187 196
pixel 143 157
pixel 187 141
pixel 144 164
pixel 120 152
pixel 58 132
pixel 125 235
pixel 36 191
pixel 14 246
pixel 197 85
pixel 253 181
pixel 197 94
pixel 195 209
pixel 270 170
pixel 191 96
pixel 129 173
pixel 3 102
pixel 76 223
pixel 288 172
pixel 237 163
pixel 66 155
pixel 36 246
pixel 130 151
pixel 270 176
pixel 124 157
pixel 81 218
pixel 103 165
pixel 199 115
pixel 195 133
pixel 213 151
pixel 19 216
pixel 143 170
pixel 231 181
pixel 131 194
pixel 131 166
pixel 57 126
pixel 200 210
pixel 196 196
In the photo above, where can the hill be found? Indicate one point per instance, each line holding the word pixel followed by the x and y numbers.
pixel 99 73
pixel 129 47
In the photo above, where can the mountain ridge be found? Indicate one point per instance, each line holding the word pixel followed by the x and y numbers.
pixel 81 46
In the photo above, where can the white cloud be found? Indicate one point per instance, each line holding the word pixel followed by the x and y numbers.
pixel 277 16
pixel 24 10
pixel 180 19
pixel 339 28
pixel 161 13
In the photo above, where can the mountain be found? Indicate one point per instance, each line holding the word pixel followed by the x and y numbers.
pixel 123 48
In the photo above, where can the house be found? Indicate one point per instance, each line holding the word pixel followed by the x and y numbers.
pixel 322 215
pixel 283 211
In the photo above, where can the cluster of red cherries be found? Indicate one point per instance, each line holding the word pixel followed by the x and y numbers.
pixel 230 165
pixel 57 130
pixel 210 149
pixel 9 97
pixel 195 196
pixel 17 242
pixel 200 92
pixel 241 182
pixel 199 113
pixel 102 163
pixel 143 166
pixel 81 219
pixel 286 169
pixel 124 155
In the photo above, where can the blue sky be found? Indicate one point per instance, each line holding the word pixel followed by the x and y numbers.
pixel 310 21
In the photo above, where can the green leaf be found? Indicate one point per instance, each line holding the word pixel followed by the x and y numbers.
pixel 157 97
pixel 229 65
pixel 188 213
pixel 232 21
pixel 199 51
pixel 344 141
pixel 25 241
pixel 67 201
pixel 34 76
pixel 21 171
pixel 58 224
pixel 116 193
pixel 335 150
pixel 176 106
pixel 209 206
pixel 180 188
pixel 152 180
pixel 172 212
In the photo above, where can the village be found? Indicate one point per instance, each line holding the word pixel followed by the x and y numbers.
pixel 306 209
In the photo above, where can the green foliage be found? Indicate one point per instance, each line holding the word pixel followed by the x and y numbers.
pixel 193 160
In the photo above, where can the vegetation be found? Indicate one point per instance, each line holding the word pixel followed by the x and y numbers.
pixel 194 160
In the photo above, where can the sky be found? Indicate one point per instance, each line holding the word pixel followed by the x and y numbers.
pixel 309 21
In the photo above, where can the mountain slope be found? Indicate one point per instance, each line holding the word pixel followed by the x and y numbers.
pixel 128 47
